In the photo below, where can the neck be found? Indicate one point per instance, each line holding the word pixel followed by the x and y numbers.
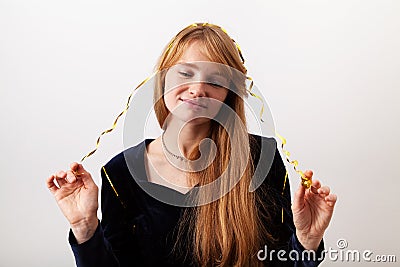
pixel 181 140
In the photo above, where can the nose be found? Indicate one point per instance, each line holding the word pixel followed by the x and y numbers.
pixel 197 89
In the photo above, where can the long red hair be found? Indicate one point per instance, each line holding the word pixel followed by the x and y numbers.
pixel 228 231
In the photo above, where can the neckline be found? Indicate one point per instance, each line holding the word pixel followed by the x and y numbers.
pixel 144 178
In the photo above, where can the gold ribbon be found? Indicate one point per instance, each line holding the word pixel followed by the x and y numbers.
pixel 304 180
pixel 116 120
pixel 148 78
pixel 256 96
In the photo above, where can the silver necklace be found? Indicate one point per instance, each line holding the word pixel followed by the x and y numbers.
pixel 169 152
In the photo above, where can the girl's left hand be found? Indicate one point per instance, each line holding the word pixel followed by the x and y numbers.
pixel 312 211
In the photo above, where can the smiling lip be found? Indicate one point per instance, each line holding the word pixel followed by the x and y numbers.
pixel 193 102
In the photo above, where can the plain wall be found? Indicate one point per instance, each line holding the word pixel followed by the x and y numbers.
pixel 328 69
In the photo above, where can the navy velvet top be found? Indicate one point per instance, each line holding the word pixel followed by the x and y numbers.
pixel 138 230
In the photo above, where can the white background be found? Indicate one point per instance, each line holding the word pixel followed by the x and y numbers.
pixel 329 70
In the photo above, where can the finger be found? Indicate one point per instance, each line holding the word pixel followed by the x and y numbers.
pixel 78 169
pixel 60 178
pixel 71 178
pixel 314 190
pixel 51 185
pixel 298 200
pixel 316 184
pixel 309 174
pixel 74 166
pixel 60 175
pixel 331 199
pixel 60 182
pixel 83 174
pixel 75 169
pixel 324 190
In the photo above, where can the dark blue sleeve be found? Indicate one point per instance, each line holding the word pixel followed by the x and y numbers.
pixel 285 249
pixel 121 238
pixel 296 251
pixel 98 250
pixel 303 257
pixel 94 252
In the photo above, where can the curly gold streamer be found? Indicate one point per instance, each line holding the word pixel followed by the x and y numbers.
pixel 256 96
pixel 143 82
pixel 116 120
pixel 305 181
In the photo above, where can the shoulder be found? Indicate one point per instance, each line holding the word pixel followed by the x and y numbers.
pixel 260 144
pixel 120 178
pixel 264 151
pixel 269 169
pixel 259 139
pixel 124 169
pixel 263 148
pixel 119 162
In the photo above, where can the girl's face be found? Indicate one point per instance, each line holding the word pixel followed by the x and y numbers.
pixel 195 86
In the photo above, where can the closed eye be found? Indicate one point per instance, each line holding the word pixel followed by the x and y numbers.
pixel 185 74
pixel 215 84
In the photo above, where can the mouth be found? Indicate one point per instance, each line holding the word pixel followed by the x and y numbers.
pixel 193 102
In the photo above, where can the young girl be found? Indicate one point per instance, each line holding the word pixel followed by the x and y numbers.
pixel 227 225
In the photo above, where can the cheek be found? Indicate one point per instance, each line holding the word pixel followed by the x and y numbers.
pixel 171 98
pixel 169 101
pixel 221 95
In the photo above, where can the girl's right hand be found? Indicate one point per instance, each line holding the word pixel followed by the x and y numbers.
pixel 77 196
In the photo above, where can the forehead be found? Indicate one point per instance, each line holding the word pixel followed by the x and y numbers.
pixel 194 52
